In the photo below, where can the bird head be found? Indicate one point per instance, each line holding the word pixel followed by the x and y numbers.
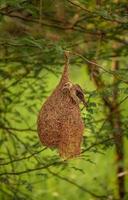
pixel 75 92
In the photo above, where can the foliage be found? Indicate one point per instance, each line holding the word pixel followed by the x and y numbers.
pixel 33 37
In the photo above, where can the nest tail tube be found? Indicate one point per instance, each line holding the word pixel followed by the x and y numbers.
pixel 65 74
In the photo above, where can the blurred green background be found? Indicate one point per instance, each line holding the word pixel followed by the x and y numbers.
pixel 33 37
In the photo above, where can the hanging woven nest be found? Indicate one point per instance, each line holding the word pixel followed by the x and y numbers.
pixel 59 123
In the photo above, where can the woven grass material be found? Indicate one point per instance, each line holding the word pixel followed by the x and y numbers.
pixel 59 123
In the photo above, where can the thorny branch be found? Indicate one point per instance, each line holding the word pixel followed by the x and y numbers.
pixel 95 13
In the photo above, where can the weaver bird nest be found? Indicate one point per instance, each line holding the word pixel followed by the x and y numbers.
pixel 59 123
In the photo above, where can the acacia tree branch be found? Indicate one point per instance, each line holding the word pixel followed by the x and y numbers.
pixel 31 169
pixel 77 185
pixel 96 13
pixel 92 64
pixel 23 158
pixel 19 130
